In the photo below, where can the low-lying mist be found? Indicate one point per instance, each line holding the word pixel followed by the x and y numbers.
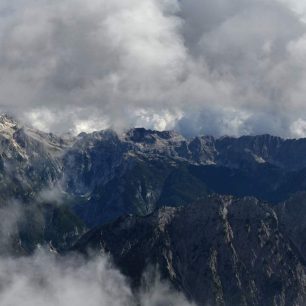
pixel 49 279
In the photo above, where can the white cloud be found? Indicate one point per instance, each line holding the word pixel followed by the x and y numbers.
pixel 298 128
pixel 297 6
pixel 75 65
pixel 10 216
pixel 44 279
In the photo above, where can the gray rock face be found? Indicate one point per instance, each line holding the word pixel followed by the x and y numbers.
pixel 92 160
pixel 218 251
pixel 286 154
pixel 29 159
pixel 138 171
pixel 30 168
pixel 292 218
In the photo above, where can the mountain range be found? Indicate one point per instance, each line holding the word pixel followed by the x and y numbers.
pixel 223 219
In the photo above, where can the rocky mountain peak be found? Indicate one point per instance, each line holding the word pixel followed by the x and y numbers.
pixel 147 136
pixel 8 125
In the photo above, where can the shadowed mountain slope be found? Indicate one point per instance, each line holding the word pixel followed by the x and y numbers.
pixel 218 251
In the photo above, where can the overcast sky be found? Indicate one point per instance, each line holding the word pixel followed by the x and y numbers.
pixel 199 66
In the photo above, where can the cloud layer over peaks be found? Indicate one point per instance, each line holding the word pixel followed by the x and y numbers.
pixel 202 66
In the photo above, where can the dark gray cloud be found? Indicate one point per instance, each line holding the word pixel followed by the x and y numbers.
pixel 202 66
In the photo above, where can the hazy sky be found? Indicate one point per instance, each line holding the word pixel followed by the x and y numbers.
pixel 201 66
